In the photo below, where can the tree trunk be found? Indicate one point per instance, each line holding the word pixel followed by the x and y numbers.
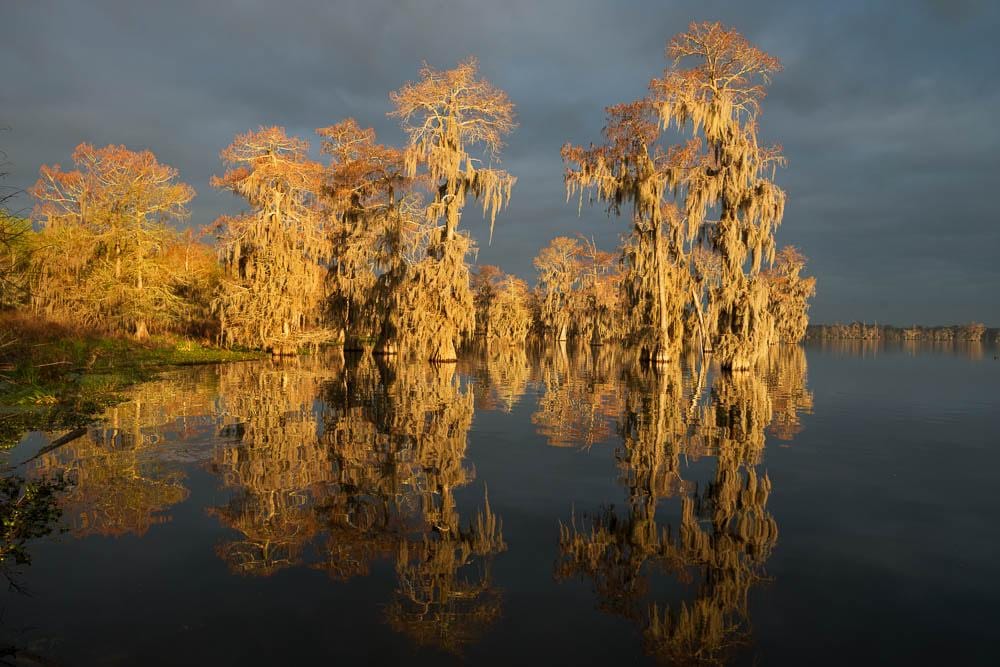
pixel 445 351
pixel 706 342
pixel 386 346
pixel 660 353
pixel 595 335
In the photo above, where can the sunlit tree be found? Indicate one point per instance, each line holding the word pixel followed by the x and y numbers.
pixel 101 256
pixel 274 294
pixel 601 316
pixel 509 313
pixel 363 199
pixel 789 294
pixel 636 168
pixel 16 245
pixel 559 268
pixel 449 117
pixel 483 282
pixel 713 89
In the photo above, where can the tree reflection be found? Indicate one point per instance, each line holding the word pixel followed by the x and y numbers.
pixel 337 468
pixel 275 462
pixel 787 380
pixel 116 484
pixel 501 374
pixel 718 549
pixel 399 435
pixel 580 398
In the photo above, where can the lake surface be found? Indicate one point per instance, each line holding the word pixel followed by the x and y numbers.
pixel 560 506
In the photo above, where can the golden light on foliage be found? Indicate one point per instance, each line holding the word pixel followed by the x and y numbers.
pixel 367 250
pixel 579 292
pixel 558 266
pixel 16 247
pixel 503 306
pixel 671 189
pixel 374 227
pixel 447 115
pixel 635 168
pixel 101 258
pixel 789 294
pixel 718 99
pixel 601 317
pixel 274 292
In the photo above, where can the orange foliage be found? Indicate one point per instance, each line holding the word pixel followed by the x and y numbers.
pixel 100 257
pixel 274 293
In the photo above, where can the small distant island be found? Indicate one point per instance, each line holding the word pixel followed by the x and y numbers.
pixel 973 332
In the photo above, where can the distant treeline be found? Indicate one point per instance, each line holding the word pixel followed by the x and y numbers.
pixel 972 332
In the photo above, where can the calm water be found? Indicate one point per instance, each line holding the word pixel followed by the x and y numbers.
pixel 838 507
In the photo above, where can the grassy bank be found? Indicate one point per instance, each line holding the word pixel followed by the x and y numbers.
pixel 53 378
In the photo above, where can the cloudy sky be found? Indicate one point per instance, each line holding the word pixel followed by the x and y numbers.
pixel 888 111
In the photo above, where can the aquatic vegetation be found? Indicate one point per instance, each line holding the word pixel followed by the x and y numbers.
pixel 29 510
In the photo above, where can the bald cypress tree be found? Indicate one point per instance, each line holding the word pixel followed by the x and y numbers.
pixel 450 117
pixel 636 169
pixel 713 89
pixel 274 292
pixel 674 188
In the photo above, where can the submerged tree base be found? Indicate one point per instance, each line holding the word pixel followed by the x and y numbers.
pixel 658 355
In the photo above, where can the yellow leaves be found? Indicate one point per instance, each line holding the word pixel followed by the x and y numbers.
pixel 508 314
pixel 789 294
pixel 274 294
pixel 102 257
pixel 446 115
